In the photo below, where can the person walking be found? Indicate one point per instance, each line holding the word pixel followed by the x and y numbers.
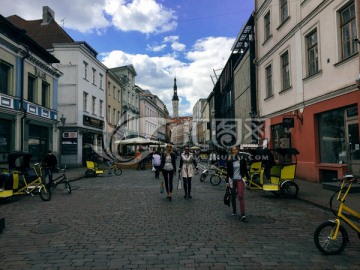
pixel 50 163
pixel 187 167
pixel 156 162
pixel 168 167
pixel 236 170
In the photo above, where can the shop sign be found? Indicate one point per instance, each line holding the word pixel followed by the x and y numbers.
pixel 92 122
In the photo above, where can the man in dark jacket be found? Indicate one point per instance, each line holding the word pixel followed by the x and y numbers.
pixel 50 163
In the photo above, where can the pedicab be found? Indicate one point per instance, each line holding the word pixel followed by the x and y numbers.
pixel 21 178
pixel 274 176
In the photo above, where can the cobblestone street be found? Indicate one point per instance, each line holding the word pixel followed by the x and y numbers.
pixel 125 223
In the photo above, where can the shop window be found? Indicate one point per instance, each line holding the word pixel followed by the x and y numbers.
pixel 332 143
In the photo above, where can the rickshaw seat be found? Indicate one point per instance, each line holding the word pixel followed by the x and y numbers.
pixel 288 172
pixel 255 167
pixel 93 166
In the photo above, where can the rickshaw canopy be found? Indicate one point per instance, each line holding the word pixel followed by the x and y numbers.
pixel 19 160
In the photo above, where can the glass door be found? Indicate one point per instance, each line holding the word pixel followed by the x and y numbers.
pixel 354 146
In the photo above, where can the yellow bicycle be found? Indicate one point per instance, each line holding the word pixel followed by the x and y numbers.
pixel 331 237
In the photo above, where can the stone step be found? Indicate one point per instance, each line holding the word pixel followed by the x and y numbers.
pixel 335 186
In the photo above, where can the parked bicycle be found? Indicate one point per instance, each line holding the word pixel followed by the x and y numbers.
pixel 331 236
pixel 206 170
pixel 23 179
pixel 60 183
pixel 220 174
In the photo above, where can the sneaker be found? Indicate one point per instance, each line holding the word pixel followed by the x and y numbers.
pixel 243 217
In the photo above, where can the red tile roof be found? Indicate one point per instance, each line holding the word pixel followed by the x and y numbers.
pixel 44 34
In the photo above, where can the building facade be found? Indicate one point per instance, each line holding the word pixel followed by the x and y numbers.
pixel 308 69
pixel 28 95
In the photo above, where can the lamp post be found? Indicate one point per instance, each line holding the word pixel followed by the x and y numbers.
pixel 62 120
pixel 254 135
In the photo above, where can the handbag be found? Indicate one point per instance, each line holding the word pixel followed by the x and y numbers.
pixel 227 197
pixel 153 169
pixel 179 184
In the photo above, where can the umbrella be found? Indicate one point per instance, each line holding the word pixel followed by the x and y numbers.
pixel 137 140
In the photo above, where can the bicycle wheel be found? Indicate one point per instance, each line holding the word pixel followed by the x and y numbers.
pixel 118 171
pixel 322 238
pixel 90 173
pixel 215 180
pixel 45 193
pixel 289 190
pixel 203 176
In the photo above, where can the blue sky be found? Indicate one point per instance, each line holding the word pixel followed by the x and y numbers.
pixel 188 39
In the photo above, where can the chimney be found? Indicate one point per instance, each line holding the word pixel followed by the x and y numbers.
pixel 48 15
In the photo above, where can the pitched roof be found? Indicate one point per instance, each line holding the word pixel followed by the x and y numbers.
pixel 18 35
pixel 44 34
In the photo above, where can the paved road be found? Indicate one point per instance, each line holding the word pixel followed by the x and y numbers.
pixel 125 223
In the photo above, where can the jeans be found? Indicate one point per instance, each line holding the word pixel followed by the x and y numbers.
pixel 168 177
pixel 238 188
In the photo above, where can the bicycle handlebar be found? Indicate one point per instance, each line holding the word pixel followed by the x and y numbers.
pixel 349 178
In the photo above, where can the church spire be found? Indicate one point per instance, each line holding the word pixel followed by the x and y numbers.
pixel 175 96
pixel 175 101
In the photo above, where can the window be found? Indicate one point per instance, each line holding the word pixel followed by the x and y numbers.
pixel 109 114
pixel 268 74
pixel 45 94
pixel 114 92
pixel 93 105
pixel 283 10
pixel 85 70
pixel 119 94
pixel 348 31
pixel 101 77
pixel 5 73
pixel 85 98
pixel 312 53
pixel 285 71
pixel 94 76
pixel 332 141
pixel 109 87
pixel 113 118
pixel 31 88
pixel 267 26
pixel 100 107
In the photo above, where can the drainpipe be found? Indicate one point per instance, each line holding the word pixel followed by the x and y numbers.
pixel 27 54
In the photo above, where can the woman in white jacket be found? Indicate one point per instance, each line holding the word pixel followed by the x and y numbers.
pixel 187 167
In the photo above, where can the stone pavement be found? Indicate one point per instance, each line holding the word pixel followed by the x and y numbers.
pixel 310 192
pixel 123 222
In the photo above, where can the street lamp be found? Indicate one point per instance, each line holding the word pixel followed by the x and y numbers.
pixel 62 121
pixel 254 136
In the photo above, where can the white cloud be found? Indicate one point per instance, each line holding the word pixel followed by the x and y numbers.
pixel 85 16
pixel 193 79
pixel 156 48
pixel 89 16
pixel 145 16
pixel 176 46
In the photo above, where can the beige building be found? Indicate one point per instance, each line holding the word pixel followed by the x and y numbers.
pixel 152 117
pixel 113 110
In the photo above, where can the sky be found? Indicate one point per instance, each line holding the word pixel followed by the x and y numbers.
pixel 163 39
